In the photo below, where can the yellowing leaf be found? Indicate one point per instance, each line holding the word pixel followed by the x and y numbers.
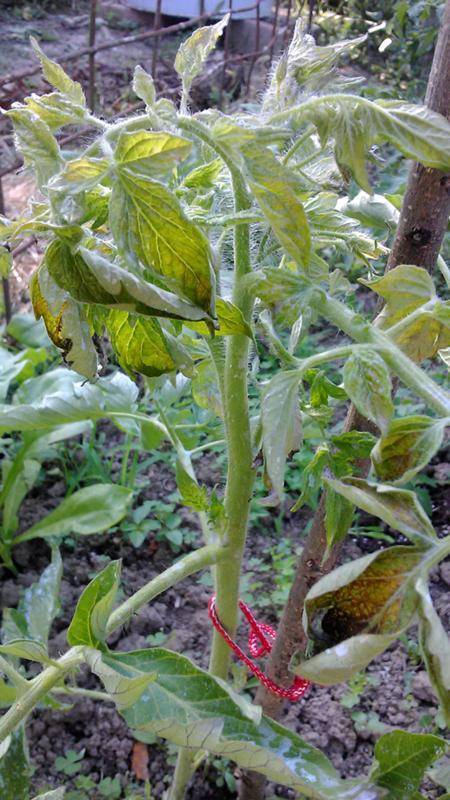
pixel 230 320
pixel 400 509
pixel 65 323
pixel 55 75
pixel 274 188
pixel 368 385
pixel 156 229
pixel 356 611
pixel 193 53
pixel 407 447
pixel 404 289
pixel 151 152
pixel 142 346
pixel 435 647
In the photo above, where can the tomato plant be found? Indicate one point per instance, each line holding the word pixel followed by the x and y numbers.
pixel 187 240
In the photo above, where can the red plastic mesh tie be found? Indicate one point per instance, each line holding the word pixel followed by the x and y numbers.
pixel 260 640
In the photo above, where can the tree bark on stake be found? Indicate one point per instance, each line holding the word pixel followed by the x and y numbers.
pixel 420 231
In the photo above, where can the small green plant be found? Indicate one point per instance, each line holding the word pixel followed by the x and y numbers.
pixel 70 763
pixel 185 239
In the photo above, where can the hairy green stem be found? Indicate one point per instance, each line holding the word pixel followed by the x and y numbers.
pixel 37 689
pixel 240 474
pixel 193 562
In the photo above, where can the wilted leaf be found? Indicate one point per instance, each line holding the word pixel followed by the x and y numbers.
pixel 90 510
pixel 399 508
pixel 435 647
pixel 281 424
pixel 193 53
pixel 404 289
pixel 37 144
pixel 14 767
pixel 147 221
pixel 65 323
pixel 402 760
pixel 368 385
pixel 356 123
pixel 88 625
pixel 407 447
pixel 90 278
pixel 274 188
pixel 230 319
pixel 139 761
pixel 356 611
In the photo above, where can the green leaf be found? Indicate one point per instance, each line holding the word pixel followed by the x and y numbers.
pixel 368 384
pixel 56 76
pixel 90 510
pixel 407 447
pixel 355 612
pixel 338 517
pixel 435 647
pixel 188 707
pixel 40 602
pixel 60 400
pixel 398 508
pixel 37 144
pixel 125 686
pixel 54 794
pixel 404 289
pixel 144 87
pixel 27 649
pixel 14 767
pixel 151 152
pixel 193 52
pixel 274 188
pixel 6 261
pixel 402 760
pixel 88 625
pixel 230 320
pixel 205 389
pixel 286 293
pixel 90 278
pixel 204 176
pixel 141 345
pixel 27 331
pixel 156 230
pixel 65 323
pixel 192 495
pixel 281 424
